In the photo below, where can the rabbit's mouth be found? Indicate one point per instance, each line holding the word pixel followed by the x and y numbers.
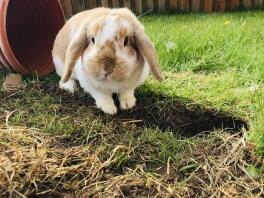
pixel 106 77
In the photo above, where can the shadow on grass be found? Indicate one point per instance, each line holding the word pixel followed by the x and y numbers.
pixel 178 115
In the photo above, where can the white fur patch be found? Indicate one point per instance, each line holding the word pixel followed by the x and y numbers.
pixel 72 34
pixel 109 29
pixel 69 86
pixel 144 74
pixel 58 65
pixel 125 24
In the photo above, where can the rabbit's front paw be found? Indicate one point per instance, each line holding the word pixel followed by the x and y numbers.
pixel 127 100
pixel 107 107
pixel 69 86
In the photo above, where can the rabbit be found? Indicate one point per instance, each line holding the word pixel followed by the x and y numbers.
pixel 107 51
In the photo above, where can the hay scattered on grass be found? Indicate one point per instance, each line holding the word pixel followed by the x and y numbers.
pixel 34 164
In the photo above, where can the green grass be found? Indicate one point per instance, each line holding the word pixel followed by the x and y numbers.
pixel 214 62
pixel 221 59
pixel 210 43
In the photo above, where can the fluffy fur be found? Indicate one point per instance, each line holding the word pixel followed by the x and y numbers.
pixel 108 52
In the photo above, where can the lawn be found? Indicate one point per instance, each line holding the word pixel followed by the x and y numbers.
pixel 198 133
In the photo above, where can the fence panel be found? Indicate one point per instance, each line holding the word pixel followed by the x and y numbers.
pixel 141 6
pixel 138 6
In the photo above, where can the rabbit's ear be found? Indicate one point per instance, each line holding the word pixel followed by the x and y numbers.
pixel 148 51
pixel 75 49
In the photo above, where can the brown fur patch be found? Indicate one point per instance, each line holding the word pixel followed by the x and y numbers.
pixel 123 32
pixel 110 47
pixel 119 73
pixel 97 27
pixel 110 63
pixel 94 69
pixel 107 56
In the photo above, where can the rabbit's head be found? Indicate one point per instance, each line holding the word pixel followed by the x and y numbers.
pixel 112 47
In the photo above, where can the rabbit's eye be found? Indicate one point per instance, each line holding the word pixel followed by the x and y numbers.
pixel 93 40
pixel 126 41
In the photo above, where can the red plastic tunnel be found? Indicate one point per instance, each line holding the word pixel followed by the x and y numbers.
pixel 27 31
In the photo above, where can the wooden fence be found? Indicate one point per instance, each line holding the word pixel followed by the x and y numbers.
pixel 141 6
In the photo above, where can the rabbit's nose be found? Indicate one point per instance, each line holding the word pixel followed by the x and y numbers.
pixel 108 69
pixel 108 64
